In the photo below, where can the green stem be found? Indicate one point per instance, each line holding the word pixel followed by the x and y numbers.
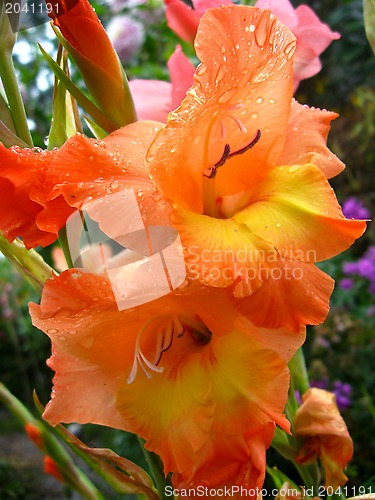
pixel 8 77
pixel 298 372
pixel 63 240
pixel 28 262
pixel 156 468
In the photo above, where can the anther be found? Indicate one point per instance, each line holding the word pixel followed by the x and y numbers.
pixel 249 146
pixel 220 163
pixel 227 154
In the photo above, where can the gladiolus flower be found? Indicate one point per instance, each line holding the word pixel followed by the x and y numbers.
pixel 155 99
pixel 313 36
pixel 240 170
pixel 319 423
pixel 186 372
pixel 89 45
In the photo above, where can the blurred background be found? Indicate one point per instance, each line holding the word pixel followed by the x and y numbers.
pixel 340 353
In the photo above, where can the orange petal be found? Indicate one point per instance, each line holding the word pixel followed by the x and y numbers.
pixel 231 461
pixel 86 170
pixel 319 423
pixel 294 295
pixel 306 140
pixel 220 251
pixel 243 85
pixel 22 190
pixel 294 209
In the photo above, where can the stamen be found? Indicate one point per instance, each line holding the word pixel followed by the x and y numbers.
pixel 227 153
pixel 140 358
pixel 249 146
pixel 220 163
pixel 174 328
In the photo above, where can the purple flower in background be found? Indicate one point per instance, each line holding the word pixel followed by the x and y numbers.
pixel 353 208
pixel 346 283
pixel 350 267
pixel 343 392
pixel 127 36
pixel 320 384
pixel 298 397
pixel 364 267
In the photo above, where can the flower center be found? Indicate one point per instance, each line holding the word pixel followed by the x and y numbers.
pixel 211 198
pixel 167 330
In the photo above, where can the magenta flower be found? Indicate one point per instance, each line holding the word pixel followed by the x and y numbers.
pixel 154 99
pixel 313 36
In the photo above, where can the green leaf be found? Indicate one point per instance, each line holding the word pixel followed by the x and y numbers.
pixel 82 100
pixel 96 131
pixel 279 478
pixel 8 138
pixel 5 114
pixel 369 20
pixel 64 123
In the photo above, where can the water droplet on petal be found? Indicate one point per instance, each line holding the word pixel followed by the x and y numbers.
pixel 114 185
pixel 290 49
pixel 220 74
pixel 260 100
pixel 64 312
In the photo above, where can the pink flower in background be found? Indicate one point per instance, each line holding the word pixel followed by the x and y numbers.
pixel 154 99
pixel 313 36
pixel 127 36
pixel 183 20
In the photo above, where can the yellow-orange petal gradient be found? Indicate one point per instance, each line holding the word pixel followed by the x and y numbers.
pixel 294 208
pixel 186 372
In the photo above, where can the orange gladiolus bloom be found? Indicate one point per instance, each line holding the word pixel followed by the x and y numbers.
pixel 204 390
pixel 240 170
pixel 319 423
pixel 241 167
